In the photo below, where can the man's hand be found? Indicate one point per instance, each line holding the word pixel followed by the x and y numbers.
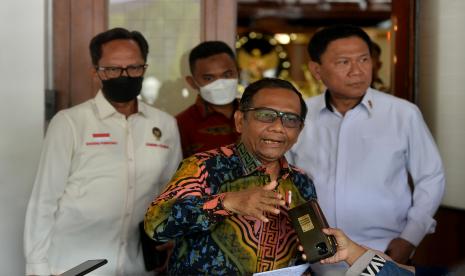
pixel 347 250
pixel 255 201
pixel 400 250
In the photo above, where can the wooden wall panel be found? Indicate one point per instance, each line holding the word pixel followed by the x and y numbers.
pixel 75 22
pixel 61 49
pixel 219 21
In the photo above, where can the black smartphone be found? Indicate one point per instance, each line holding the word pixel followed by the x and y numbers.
pixel 308 220
pixel 84 268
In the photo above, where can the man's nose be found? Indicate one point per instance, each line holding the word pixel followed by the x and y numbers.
pixel 124 72
pixel 355 68
pixel 277 125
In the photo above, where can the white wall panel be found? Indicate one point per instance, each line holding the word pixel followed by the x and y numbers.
pixel 441 91
pixel 22 119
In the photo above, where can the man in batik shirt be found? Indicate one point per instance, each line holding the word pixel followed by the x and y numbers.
pixel 226 209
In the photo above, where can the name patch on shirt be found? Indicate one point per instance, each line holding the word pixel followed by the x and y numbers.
pixel 101 139
pixel 157 145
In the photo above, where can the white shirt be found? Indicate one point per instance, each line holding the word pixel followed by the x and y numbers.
pixel 98 173
pixel 359 165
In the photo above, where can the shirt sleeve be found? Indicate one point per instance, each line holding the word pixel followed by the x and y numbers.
pixel 425 166
pixel 372 264
pixel 48 187
pixel 186 205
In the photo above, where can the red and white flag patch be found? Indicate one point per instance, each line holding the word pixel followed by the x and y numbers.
pixel 101 139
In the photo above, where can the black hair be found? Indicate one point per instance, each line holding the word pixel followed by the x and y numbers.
pixel 96 43
pixel 255 87
pixel 322 38
pixel 208 49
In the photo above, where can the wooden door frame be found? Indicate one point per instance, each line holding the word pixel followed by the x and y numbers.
pixel 75 22
pixel 403 50
pixel 219 21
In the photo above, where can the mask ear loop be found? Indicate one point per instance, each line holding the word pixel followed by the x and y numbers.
pixel 196 83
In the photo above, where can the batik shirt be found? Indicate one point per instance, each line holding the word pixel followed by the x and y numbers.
pixel 202 128
pixel 208 238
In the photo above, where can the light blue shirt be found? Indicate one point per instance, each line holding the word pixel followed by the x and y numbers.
pixel 360 163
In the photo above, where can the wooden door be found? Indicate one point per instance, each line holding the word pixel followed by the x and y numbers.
pixel 75 22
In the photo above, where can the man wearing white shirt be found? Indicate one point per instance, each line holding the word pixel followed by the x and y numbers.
pixel 360 144
pixel 101 164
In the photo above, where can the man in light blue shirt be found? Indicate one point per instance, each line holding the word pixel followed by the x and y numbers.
pixel 360 144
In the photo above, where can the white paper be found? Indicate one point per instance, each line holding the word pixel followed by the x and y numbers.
pixel 287 271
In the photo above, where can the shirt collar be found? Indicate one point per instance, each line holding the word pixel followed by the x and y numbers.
pixel 323 103
pixel 142 109
pixel 250 164
pixel 327 101
pixel 205 109
pixel 105 109
pixel 366 102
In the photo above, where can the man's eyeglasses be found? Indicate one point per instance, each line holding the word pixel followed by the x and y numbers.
pixel 133 71
pixel 269 115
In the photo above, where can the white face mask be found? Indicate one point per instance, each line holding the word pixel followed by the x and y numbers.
pixel 220 92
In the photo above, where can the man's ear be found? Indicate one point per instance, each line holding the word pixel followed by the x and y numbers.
pixel 315 69
pixel 191 82
pixel 238 71
pixel 93 72
pixel 301 127
pixel 239 120
pixel 95 77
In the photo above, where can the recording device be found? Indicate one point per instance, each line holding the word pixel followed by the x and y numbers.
pixel 308 220
pixel 84 268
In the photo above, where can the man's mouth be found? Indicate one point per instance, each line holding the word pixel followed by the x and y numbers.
pixel 272 142
pixel 357 84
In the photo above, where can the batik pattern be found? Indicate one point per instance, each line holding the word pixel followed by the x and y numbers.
pixel 209 239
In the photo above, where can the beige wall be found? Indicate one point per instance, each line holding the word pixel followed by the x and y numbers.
pixel 172 28
pixel 441 85
pixel 22 121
